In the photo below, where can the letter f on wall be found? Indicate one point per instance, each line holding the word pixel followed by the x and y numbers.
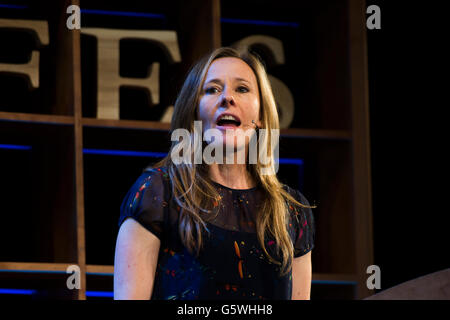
pixel 39 29
pixel 108 77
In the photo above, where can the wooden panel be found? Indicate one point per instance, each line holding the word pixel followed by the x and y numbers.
pixel 60 163
pixel 198 29
pixel 24 266
pixel 37 186
pixel 127 124
pixel 38 118
pixel 107 270
pixel 62 96
pixel 79 193
pixel 361 144
pixel 334 230
pixel 332 74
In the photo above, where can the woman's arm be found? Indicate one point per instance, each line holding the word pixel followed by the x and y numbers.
pixel 135 262
pixel 301 277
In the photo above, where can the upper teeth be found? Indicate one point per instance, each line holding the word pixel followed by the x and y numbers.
pixel 228 117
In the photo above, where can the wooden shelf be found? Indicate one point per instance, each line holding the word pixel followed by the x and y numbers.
pixel 36 118
pixel 125 124
pixel 160 126
pixel 100 270
pixel 34 267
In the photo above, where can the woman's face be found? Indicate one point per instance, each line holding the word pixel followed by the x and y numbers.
pixel 230 88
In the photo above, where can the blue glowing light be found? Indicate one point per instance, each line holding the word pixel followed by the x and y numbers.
pixel 298 162
pixel 13 6
pixel 126 153
pixel 124 13
pixel 14 147
pixel 17 291
pixel 162 16
pixel 261 22
pixel 103 294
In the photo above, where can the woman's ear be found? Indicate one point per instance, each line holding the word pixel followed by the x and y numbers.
pixel 196 115
pixel 259 122
pixel 260 115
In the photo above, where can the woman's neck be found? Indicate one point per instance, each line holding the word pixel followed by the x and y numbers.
pixel 234 176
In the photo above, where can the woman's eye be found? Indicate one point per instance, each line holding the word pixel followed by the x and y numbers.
pixel 243 89
pixel 211 90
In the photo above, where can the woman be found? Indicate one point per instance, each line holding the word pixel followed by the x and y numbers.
pixel 217 230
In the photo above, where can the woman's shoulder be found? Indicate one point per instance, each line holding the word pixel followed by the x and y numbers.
pixel 153 177
pixel 304 210
pixel 153 183
pixel 296 194
pixel 157 171
pixel 147 200
pixel 301 222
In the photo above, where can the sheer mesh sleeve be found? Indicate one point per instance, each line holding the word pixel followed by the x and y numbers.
pixel 303 225
pixel 147 202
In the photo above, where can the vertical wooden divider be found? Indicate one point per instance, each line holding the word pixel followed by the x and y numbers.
pixel 79 181
pixel 216 26
pixel 362 189
pixel 203 33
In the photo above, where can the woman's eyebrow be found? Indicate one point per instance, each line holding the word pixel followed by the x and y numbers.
pixel 242 79
pixel 218 81
pixel 214 80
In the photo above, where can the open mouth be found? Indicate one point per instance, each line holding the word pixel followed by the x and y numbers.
pixel 228 121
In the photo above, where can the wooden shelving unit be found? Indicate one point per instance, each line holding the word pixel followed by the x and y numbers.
pixel 61 223
pixel 36 118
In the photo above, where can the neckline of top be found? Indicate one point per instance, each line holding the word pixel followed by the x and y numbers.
pixel 214 182
pixel 237 190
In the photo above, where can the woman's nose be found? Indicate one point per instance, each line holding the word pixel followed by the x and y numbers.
pixel 227 98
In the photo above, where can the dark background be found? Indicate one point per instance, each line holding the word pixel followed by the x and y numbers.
pixel 406 96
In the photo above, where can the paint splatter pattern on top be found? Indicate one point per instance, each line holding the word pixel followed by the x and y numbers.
pixel 231 264
pixel 140 191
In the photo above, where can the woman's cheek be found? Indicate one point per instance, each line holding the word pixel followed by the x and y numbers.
pixel 256 104
pixel 205 116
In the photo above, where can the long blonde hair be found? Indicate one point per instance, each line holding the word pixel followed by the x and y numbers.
pixel 193 190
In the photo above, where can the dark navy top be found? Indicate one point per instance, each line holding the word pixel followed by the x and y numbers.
pixel 231 264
